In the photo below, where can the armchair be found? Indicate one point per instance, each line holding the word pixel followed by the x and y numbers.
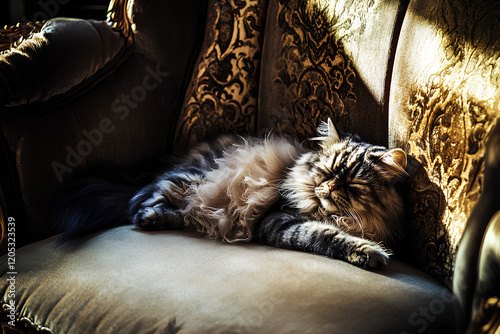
pixel 158 76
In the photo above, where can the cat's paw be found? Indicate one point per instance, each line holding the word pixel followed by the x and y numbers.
pixel 157 217
pixel 369 255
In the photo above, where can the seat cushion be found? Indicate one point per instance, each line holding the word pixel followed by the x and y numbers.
pixel 128 281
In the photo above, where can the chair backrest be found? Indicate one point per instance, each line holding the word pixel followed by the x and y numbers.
pixel 444 102
pixel 419 75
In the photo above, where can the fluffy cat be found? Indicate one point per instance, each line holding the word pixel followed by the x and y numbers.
pixel 338 201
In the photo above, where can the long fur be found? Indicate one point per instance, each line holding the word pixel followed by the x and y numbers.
pixel 232 197
pixel 343 193
pixel 374 209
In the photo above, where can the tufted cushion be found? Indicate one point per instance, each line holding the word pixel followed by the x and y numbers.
pixel 445 99
pixel 127 281
pixel 58 58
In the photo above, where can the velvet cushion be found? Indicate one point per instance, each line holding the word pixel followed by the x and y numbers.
pixel 128 281
pixel 58 58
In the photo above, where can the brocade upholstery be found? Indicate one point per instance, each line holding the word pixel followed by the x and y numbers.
pixel 445 100
pixel 222 94
pixel 418 74
pixel 321 61
pixel 128 281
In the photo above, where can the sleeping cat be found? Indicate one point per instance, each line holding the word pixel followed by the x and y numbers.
pixel 338 201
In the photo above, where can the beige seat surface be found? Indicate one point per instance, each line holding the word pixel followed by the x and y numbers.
pixel 127 281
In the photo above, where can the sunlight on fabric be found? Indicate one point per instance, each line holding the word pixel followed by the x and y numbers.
pixel 443 104
pixel 363 29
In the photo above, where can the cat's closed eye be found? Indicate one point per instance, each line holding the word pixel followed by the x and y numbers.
pixel 336 184
pixel 357 184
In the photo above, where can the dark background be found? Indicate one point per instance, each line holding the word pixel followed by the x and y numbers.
pixel 14 11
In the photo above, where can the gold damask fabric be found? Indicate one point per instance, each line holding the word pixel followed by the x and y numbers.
pixel 222 95
pixel 446 98
pixel 314 76
pixel 327 59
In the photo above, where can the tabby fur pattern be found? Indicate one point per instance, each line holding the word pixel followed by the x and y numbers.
pixel 337 201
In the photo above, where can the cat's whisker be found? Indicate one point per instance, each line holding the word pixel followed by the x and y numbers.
pixel 357 219
pixel 312 186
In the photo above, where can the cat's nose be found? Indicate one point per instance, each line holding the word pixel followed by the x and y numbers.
pixel 332 187
pixel 322 192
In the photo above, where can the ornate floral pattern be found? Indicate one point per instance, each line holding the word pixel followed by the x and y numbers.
pixel 222 96
pixel 316 76
pixel 119 15
pixel 450 118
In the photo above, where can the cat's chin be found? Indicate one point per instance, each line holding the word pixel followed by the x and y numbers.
pixel 328 208
pixel 332 215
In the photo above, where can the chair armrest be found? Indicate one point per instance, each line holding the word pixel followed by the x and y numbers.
pixel 83 93
pixel 470 268
pixel 489 265
pixel 60 57
pixel 487 318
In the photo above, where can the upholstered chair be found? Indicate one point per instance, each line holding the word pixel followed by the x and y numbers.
pixel 158 76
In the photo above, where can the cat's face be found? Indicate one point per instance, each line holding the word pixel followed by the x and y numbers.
pixel 349 179
pixel 341 183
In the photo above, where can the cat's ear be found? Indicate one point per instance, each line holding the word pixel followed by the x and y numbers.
pixel 328 132
pixel 332 132
pixel 393 164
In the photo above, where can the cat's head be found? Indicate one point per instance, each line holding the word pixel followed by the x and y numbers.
pixel 351 184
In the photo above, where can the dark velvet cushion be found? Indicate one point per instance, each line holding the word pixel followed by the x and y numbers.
pixel 61 56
